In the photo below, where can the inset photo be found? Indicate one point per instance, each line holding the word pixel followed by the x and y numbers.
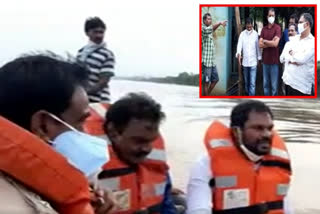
pixel 266 51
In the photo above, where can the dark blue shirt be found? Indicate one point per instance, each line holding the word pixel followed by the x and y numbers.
pixel 167 204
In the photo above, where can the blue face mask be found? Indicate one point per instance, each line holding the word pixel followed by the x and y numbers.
pixel 85 152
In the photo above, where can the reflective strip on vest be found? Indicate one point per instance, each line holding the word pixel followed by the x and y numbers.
pixel 225 181
pixel 219 143
pixel 110 183
pixel 282 189
pixel 280 153
pixel 160 188
pixel 100 109
pixel 157 154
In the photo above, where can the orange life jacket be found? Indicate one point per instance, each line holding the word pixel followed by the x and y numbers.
pixel 136 189
pixel 94 123
pixel 237 186
pixel 35 164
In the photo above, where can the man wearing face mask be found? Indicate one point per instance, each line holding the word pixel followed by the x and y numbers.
pixel 269 40
pixel 246 168
pixel 248 50
pixel 137 172
pixel 42 103
pixel 300 59
pixel 99 59
pixel 289 69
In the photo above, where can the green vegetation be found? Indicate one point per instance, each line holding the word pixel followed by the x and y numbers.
pixel 183 78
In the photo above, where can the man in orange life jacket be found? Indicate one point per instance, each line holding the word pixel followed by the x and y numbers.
pixel 246 169
pixel 35 90
pixel 137 172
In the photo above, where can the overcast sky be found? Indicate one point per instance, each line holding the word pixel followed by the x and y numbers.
pixel 154 38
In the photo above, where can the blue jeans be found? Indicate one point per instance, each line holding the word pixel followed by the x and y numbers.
pixel 209 74
pixel 250 74
pixel 270 79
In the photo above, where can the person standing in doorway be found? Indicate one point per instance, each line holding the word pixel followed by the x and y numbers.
pixel 99 59
pixel 248 50
pixel 210 75
pixel 269 41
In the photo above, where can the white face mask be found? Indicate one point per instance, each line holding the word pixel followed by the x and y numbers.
pixel 85 152
pixel 271 19
pixel 251 156
pixel 301 28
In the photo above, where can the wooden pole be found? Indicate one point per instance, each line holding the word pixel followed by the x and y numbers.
pixel 238 23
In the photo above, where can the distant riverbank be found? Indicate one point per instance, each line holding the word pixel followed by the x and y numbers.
pixel 183 78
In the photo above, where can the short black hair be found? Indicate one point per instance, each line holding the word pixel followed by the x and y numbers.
pixel 93 22
pixel 295 17
pixel 249 20
pixel 272 10
pixel 294 25
pixel 240 113
pixel 38 82
pixel 308 18
pixel 133 106
pixel 206 16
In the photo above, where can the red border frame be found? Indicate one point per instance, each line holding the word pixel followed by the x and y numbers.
pixel 258 5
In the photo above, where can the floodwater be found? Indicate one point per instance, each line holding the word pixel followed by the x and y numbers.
pixel 297 121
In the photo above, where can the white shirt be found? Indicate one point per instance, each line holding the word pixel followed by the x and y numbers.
pixel 301 76
pixel 199 195
pixel 248 43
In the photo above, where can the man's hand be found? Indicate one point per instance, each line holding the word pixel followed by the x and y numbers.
pixel 239 59
pixel 103 202
pixel 261 44
pixel 291 52
pixel 294 63
pixel 224 23
pixel 103 82
pixel 176 191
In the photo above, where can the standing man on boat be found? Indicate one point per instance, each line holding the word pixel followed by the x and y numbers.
pixel 99 59
pixel 246 168
pixel 210 75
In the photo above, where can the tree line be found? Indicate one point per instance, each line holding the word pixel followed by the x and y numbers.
pixel 183 78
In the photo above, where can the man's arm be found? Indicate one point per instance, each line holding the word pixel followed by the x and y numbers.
pixel 167 204
pixel 284 54
pixel 199 195
pixel 223 23
pixel 288 209
pixel 258 49
pixel 239 45
pixel 103 82
pixel 302 57
pixel 261 44
pixel 239 48
pixel 273 43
